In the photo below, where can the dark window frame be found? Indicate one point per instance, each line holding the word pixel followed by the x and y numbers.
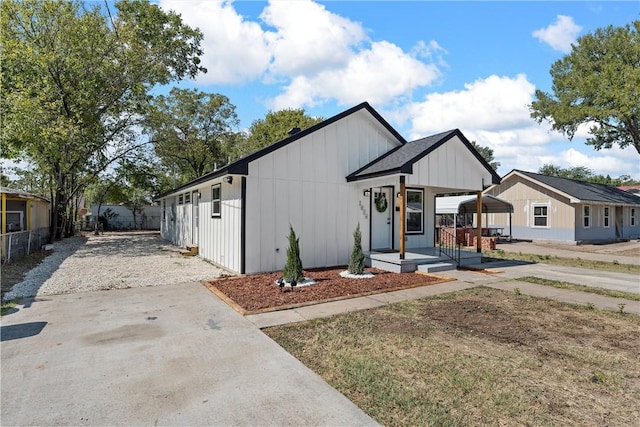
pixel 422 216
pixel 216 213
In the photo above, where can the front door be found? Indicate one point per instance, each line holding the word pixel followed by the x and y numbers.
pixel 195 214
pixel 381 218
pixel 619 222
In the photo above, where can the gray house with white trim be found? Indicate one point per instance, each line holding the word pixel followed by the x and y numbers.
pixel 565 210
pixel 353 168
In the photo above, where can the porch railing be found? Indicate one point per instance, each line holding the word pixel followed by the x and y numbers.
pixel 19 244
pixel 449 245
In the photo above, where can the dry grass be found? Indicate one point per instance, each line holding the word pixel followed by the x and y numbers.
pixel 582 288
pixel 478 357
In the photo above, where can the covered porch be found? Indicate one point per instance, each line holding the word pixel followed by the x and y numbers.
pixel 400 191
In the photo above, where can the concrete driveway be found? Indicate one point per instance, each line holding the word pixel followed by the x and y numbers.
pixel 166 355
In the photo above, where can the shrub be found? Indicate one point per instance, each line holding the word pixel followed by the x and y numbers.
pixel 293 267
pixel 356 262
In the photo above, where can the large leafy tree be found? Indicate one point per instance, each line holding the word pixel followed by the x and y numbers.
pixel 583 173
pixel 191 130
pixel 275 127
pixel 487 154
pixel 75 83
pixel 597 84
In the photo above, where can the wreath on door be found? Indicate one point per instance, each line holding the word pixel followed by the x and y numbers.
pixel 381 202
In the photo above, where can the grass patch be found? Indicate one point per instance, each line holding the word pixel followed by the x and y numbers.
pixel 6 307
pixel 575 287
pixel 477 357
pixel 568 262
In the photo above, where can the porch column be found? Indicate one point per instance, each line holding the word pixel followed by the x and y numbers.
pixel 29 214
pixel 403 214
pixel 479 223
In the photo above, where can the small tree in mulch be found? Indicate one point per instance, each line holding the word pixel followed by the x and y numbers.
pixel 293 267
pixel 356 262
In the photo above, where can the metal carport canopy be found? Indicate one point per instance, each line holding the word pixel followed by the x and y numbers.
pixel 468 204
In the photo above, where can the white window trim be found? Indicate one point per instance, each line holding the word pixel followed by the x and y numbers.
pixel 633 220
pixel 187 198
pixel 533 215
pixel 216 214
pixel 606 217
pixel 406 221
pixel 586 216
pixel 180 199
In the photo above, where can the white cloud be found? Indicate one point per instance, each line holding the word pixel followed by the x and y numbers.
pixel 560 34
pixel 314 54
pixel 235 50
pixel 493 103
pixel 377 75
pixel 308 38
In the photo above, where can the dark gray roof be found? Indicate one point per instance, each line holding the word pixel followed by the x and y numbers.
pixel 585 191
pixel 402 158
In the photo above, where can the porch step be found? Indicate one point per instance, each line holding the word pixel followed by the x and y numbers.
pixel 192 250
pixel 436 266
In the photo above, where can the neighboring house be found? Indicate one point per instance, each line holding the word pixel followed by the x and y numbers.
pixel 323 181
pixel 565 210
pixel 120 217
pixel 633 189
pixel 24 220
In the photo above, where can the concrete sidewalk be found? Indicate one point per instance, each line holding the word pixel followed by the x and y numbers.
pixel 166 355
pixel 505 280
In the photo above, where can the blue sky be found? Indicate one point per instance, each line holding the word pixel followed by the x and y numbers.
pixel 426 66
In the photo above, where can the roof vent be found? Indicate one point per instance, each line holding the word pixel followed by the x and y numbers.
pixel 293 131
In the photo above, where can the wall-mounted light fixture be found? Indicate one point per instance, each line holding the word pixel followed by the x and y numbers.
pixel 366 193
pixel 228 179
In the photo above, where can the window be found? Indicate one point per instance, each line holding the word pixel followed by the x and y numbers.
pixel 633 217
pixel 187 198
pixel 606 216
pixel 164 209
pixel 415 210
pixel 586 216
pixel 180 199
pixel 540 216
pixel 215 200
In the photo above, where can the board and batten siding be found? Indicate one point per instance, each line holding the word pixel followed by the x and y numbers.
pixel 303 185
pixel 524 196
pixel 219 238
pixel 450 167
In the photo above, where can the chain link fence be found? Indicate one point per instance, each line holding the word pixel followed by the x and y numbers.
pixel 17 245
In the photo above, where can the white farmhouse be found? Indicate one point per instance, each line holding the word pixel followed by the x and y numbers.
pixel 353 168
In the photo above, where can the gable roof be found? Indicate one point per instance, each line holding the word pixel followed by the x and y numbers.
pixel 241 166
pixel 580 191
pixel 402 158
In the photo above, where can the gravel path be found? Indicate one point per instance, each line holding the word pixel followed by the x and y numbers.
pixel 111 261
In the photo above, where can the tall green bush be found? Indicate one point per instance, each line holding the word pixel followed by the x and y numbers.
pixel 293 267
pixel 356 262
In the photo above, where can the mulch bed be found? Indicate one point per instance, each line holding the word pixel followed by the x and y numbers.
pixel 259 293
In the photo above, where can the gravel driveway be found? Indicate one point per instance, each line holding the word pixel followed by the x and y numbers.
pixel 111 261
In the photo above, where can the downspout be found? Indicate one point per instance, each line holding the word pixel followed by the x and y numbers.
pixel 403 213
pixel 479 225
